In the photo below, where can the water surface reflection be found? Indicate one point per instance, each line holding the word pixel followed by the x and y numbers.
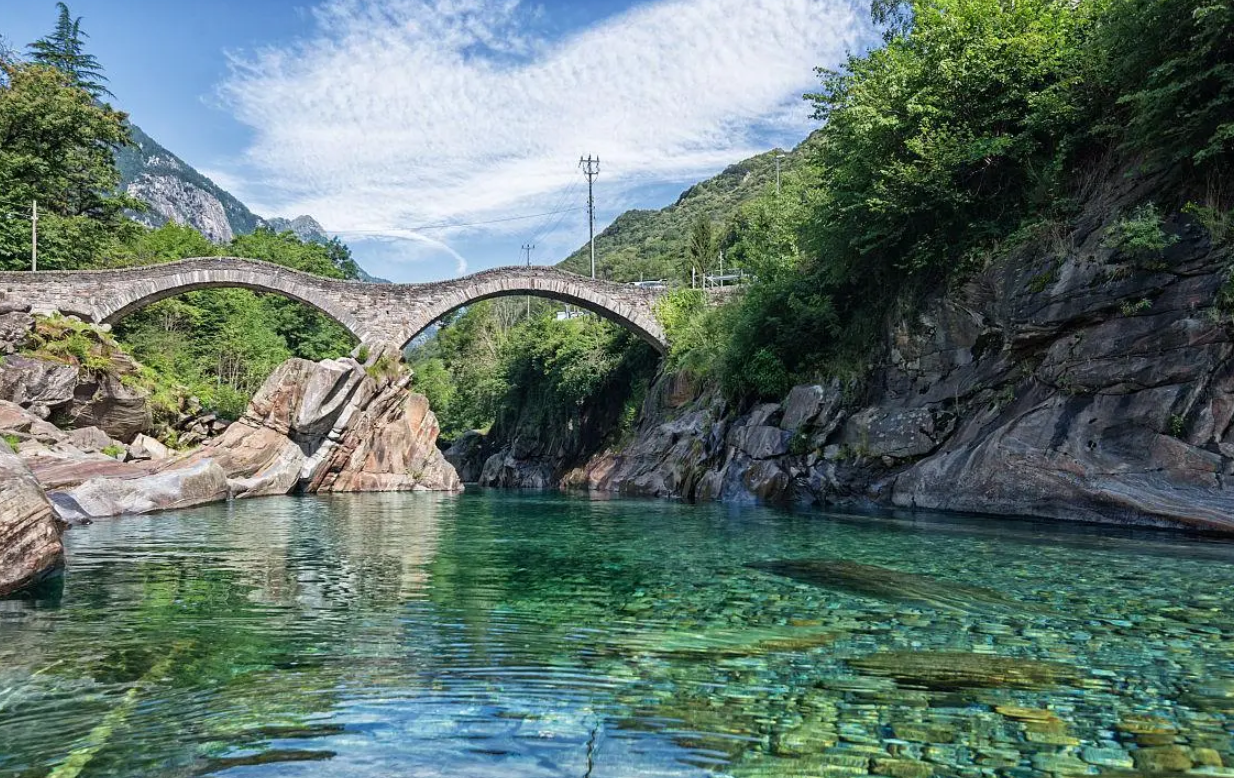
pixel 537 634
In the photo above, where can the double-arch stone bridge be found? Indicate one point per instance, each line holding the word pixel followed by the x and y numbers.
pixel 381 316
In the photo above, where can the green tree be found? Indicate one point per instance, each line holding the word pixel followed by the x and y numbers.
pixel 57 146
pixel 1169 63
pixel 700 249
pixel 64 50
pixel 222 343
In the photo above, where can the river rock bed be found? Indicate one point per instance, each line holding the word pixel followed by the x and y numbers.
pixel 1123 672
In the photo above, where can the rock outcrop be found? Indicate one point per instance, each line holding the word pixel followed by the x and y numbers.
pixel 65 391
pixel 182 486
pixel 316 426
pixel 534 444
pixel 30 547
pixel 329 426
pixel 389 446
pixel 1067 381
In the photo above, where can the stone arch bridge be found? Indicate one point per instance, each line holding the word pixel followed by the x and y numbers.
pixel 381 316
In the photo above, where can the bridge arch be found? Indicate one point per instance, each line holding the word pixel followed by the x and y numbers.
pixel 176 278
pixel 627 306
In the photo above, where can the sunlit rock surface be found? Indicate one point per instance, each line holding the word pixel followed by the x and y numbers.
pixel 30 545
pixel 329 426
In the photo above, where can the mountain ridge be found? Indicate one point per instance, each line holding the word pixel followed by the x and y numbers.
pixel 176 191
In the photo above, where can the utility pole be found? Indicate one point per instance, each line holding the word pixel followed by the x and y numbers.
pixel 591 168
pixel 779 156
pixel 527 248
pixel 34 236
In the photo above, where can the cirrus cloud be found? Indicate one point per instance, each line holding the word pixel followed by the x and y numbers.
pixel 403 113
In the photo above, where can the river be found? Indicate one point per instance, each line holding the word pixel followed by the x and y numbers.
pixel 505 634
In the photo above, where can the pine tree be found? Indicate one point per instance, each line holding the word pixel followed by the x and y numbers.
pixel 64 50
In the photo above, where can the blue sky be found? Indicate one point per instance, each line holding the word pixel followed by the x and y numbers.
pixel 424 131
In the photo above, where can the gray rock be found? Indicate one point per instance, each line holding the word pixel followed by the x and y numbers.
pixel 181 487
pixel 37 383
pixel 761 442
pixel 898 434
pixel 145 447
pixel 30 547
pixel 15 327
pixel 90 439
pixel 807 403
pixel 123 412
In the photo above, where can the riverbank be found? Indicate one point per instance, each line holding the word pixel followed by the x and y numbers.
pixel 330 426
pixel 1073 379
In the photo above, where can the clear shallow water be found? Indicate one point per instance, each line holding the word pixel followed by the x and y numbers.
pixel 540 635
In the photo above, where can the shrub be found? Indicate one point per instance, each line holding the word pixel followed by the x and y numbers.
pixel 1217 222
pixel 1139 236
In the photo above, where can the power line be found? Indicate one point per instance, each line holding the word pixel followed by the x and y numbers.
pixel 562 215
pixel 451 225
pixel 565 197
pixel 591 169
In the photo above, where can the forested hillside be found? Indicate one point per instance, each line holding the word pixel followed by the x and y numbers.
pixel 651 245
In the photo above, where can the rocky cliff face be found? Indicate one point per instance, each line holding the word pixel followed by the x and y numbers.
pixel 176 192
pixel 533 448
pixel 1070 380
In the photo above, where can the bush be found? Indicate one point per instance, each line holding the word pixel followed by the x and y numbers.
pixel 1139 236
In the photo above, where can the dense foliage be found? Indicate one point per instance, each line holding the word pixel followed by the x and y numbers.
pixel 57 147
pixel 222 343
pixel 975 121
pixel 495 365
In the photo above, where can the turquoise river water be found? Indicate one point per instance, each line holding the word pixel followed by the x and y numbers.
pixel 498 634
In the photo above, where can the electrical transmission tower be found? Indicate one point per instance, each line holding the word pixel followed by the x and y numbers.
pixel 591 168
pixel 527 249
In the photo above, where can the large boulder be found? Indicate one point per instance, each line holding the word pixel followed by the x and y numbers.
pixel 145 447
pixel 329 426
pixel 30 546
pixel 106 402
pixel 388 446
pixel 179 487
pixel 306 400
pixel 257 461
pixel 289 419
pixel 38 384
pixel 52 386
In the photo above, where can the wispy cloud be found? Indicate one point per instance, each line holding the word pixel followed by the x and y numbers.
pixel 405 113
